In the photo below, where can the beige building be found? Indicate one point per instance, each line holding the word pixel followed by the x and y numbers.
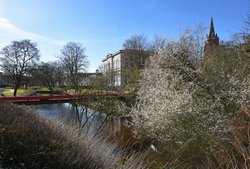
pixel 87 79
pixel 115 65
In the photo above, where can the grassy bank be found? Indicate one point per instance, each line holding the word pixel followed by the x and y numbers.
pixel 8 91
pixel 29 141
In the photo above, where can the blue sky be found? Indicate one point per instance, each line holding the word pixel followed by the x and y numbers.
pixel 103 25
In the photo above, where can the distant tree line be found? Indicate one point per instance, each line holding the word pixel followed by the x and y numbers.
pixel 20 64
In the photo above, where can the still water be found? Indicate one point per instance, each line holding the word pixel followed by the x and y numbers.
pixel 112 127
pixel 54 111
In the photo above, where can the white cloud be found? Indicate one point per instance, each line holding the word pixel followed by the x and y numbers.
pixel 7 27
pixel 48 47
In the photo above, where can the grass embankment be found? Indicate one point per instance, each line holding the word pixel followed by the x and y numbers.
pixel 8 91
pixel 30 141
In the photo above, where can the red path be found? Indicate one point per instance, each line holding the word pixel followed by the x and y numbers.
pixel 59 98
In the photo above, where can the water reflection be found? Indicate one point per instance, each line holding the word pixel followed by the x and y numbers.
pixel 53 111
pixel 72 113
pixel 112 128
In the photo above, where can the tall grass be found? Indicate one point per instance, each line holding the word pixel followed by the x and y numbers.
pixel 30 141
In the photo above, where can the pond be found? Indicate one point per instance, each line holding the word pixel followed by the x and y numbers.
pixel 114 128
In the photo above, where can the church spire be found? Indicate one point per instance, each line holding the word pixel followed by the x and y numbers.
pixel 211 32
pixel 212 38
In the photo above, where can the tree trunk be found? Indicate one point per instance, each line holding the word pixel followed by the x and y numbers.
pixel 15 91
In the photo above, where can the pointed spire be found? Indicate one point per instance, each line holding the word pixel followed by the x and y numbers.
pixel 211 32
pixel 212 38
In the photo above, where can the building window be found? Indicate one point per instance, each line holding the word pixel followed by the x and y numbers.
pixel 117 80
pixel 117 64
pixel 108 66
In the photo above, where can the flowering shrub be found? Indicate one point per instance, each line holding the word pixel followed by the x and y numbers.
pixel 186 96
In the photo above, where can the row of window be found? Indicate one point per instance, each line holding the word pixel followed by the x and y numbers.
pixel 129 61
pixel 116 65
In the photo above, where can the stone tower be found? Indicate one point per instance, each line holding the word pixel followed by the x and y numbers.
pixel 212 39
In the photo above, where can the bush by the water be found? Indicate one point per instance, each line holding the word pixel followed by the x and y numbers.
pixel 197 104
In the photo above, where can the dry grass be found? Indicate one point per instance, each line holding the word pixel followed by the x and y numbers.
pixel 30 141
pixel 236 154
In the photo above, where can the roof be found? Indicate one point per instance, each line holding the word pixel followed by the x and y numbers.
pixel 109 55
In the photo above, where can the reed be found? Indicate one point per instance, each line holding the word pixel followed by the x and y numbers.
pixel 30 141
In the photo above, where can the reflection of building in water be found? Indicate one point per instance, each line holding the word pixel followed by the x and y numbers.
pixel 118 131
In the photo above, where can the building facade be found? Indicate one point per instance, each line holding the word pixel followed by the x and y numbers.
pixel 116 65
pixel 88 79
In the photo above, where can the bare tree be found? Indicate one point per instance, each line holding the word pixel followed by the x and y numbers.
pixel 242 38
pixel 48 74
pixel 137 42
pixel 159 43
pixel 74 60
pixel 17 58
pixel 246 27
pixel 59 76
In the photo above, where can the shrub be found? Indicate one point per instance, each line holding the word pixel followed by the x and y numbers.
pixel 30 141
pixel 191 103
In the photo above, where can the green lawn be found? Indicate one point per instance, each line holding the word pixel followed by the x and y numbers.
pixel 43 89
pixel 20 92
pixel 47 89
pixel 8 91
